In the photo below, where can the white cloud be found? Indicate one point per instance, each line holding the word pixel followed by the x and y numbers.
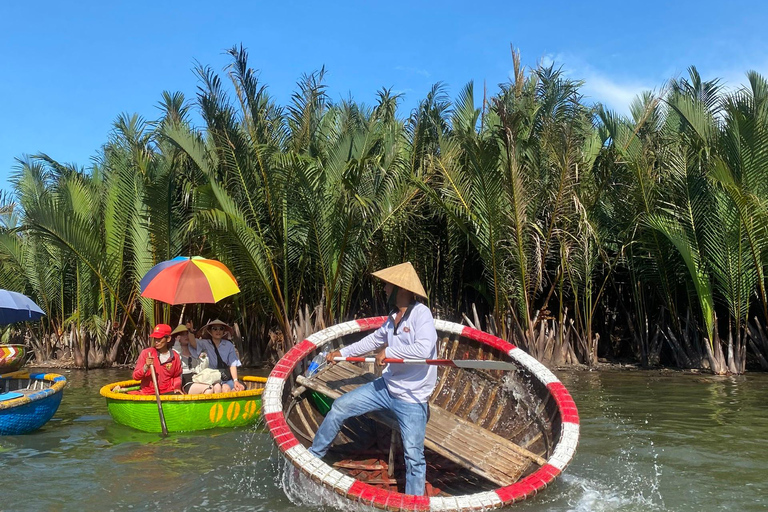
pixel 614 94
pixel 413 70
pixel 599 86
pixel 616 89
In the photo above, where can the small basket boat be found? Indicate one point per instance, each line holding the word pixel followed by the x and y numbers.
pixel 11 358
pixel 185 413
pixel 28 401
pixel 493 437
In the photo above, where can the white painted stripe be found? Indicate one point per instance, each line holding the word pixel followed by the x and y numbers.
pixel 322 471
pixel 566 447
pixel 317 338
pixel 345 483
pixel 488 499
pixel 319 470
pixel 478 501
pixel 334 331
pixel 272 397
pixel 463 502
pixel 350 327
pixel 312 465
pixel 297 454
pixel 442 325
pixel 437 504
pixel 540 371
pixel 270 406
pixel 274 383
pixel 339 481
pixel 271 394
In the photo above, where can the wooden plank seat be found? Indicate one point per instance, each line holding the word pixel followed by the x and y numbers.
pixel 484 453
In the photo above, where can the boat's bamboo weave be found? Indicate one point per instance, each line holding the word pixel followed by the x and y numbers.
pixel 481 451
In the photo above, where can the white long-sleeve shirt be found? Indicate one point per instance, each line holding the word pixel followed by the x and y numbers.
pixel 416 338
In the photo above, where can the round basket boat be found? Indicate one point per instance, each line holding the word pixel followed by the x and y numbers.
pixel 28 401
pixel 493 438
pixel 11 358
pixel 185 413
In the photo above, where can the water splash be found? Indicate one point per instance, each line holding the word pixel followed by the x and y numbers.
pixel 626 479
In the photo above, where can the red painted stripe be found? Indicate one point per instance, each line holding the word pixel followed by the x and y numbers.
pixel 515 492
pixel 279 373
pixel 411 502
pixel 487 339
pixel 304 348
pixel 290 359
pixel 366 324
pixel 568 410
pixel 390 500
pixel 441 362
pixel 284 367
pixel 280 431
pixel 549 472
pixel 275 419
pixel 286 442
pixel 529 485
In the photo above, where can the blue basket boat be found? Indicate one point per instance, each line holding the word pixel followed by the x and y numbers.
pixel 28 401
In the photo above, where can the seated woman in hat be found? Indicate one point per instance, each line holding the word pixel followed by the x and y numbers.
pixel 189 364
pixel 221 354
pixel 165 361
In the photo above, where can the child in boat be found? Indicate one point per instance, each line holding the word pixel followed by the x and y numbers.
pixel 221 354
pixel 166 362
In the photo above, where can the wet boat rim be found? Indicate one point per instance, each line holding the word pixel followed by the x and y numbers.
pixel 358 490
pixel 106 391
pixel 57 381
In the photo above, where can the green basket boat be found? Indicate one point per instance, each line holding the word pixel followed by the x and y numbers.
pixel 185 413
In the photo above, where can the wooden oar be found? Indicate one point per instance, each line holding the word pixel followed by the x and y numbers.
pixel 159 402
pixel 480 364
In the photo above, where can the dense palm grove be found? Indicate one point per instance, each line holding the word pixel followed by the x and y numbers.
pixel 574 232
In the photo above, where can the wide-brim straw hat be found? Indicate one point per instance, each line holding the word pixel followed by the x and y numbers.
pixel 207 327
pixel 403 276
pixel 179 329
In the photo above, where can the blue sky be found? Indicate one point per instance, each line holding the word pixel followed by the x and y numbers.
pixel 67 69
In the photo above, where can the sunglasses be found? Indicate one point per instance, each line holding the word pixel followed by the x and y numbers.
pixel 217 328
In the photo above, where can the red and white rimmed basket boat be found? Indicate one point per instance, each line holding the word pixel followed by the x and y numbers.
pixel 493 437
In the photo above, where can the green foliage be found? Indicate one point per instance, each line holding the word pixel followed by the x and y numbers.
pixel 526 202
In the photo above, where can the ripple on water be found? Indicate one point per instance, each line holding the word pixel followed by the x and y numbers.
pixel 650 442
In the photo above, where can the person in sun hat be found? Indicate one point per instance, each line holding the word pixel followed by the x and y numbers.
pixel 189 363
pixel 221 354
pixel 166 362
pixel 409 332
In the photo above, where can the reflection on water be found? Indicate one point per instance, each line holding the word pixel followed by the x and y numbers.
pixel 650 442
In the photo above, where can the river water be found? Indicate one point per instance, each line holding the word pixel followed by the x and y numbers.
pixel 651 441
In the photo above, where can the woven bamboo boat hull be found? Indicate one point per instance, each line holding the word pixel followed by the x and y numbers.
pixel 493 437
pixel 41 395
pixel 185 413
pixel 11 358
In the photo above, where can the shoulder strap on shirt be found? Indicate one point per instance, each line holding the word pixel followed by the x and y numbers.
pixel 220 364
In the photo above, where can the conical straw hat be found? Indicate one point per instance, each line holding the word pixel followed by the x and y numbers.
pixel 404 276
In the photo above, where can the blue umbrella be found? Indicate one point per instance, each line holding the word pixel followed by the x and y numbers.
pixel 16 307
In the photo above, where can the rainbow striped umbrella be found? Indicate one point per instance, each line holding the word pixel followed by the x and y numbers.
pixel 188 280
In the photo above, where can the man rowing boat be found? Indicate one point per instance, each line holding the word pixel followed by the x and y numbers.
pixel 409 332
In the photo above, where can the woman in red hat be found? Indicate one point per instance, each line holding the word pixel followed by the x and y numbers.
pixel 166 363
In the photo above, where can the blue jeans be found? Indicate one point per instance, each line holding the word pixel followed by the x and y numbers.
pixel 374 396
